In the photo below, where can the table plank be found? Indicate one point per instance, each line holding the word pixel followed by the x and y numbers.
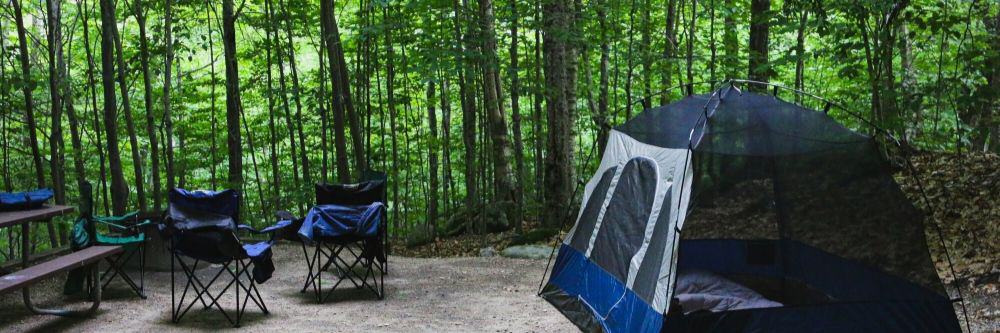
pixel 33 274
pixel 17 217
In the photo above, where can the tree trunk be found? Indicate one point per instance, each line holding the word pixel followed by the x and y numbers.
pixel 119 190
pixel 214 155
pixel 759 66
pixel 233 103
pixel 601 118
pixel 446 146
pixel 432 160
pixel 168 61
pixel 730 43
pixel 140 17
pixel 303 155
pixel 468 110
pixel 92 87
pixel 129 121
pixel 56 63
pixel 329 41
pixel 560 80
pixel 800 57
pixel 692 23
pixel 29 103
pixel 536 122
pixel 515 109
pixel 391 99
pixel 271 127
pixel 647 61
pixel 506 194
pixel 669 51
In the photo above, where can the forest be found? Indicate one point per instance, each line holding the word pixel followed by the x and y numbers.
pixel 486 115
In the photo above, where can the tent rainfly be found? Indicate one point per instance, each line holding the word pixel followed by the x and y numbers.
pixel 740 212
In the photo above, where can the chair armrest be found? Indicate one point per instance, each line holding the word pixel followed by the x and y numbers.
pixel 266 231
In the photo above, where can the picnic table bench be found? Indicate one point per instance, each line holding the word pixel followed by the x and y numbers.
pixel 29 275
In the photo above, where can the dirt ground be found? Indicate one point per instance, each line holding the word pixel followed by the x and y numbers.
pixel 458 294
pixel 422 295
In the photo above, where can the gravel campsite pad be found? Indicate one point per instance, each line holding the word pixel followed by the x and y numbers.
pixel 468 294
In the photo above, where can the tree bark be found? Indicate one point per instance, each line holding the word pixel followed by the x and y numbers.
pixel 759 26
pixel 432 159
pixel 560 77
pixel 56 62
pixel 303 154
pixel 119 190
pixel 140 17
pixel 129 121
pixel 27 87
pixel 669 51
pixel 468 109
pixel 92 87
pixel 506 194
pixel 168 61
pixel 601 118
pixel 515 109
pixel 233 103
pixel 730 43
pixel 330 42
pixel 271 127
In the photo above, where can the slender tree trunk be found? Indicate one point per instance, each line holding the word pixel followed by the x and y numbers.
pixel 537 119
pixel 669 51
pixel 56 62
pixel 800 50
pixel 275 171
pixel 129 121
pixel 730 43
pixel 168 60
pixel 29 101
pixel 324 117
pixel 506 193
pixel 140 17
pixel 560 78
pixel 468 110
pixel 289 124
pixel 303 155
pixel 432 159
pixel 92 87
pixel 213 168
pixel 446 144
pixel 119 190
pixel 647 61
pixel 759 26
pixel 339 135
pixel 233 103
pixel 74 124
pixel 601 118
pixel 391 98
pixel 515 109
pixel 691 38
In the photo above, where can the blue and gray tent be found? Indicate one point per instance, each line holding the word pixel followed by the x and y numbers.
pixel 740 212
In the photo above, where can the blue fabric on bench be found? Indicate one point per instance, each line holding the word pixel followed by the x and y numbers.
pixel 24 200
pixel 332 221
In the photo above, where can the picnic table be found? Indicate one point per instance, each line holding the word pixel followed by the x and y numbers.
pixel 30 274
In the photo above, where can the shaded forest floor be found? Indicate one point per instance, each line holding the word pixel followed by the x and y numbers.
pixel 468 294
pixel 965 196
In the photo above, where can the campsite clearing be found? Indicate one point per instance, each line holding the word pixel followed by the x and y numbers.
pixel 422 295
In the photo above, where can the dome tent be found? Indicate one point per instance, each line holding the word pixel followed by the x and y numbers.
pixel 767 199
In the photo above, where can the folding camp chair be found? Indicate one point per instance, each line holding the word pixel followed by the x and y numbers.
pixel 350 252
pixel 125 231
pixel 202 225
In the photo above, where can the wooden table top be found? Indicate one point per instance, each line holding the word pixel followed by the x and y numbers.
pixel 18 217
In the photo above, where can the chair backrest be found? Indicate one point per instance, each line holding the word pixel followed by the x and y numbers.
pixel 204 224
pixel 202 209
pixel 372 189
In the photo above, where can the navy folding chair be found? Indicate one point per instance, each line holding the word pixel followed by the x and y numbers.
pixel 348 231
pixel 202 225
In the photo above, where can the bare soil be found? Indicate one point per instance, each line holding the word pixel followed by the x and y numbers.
pixel 468 294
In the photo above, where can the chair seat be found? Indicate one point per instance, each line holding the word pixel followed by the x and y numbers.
pixel 120 240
